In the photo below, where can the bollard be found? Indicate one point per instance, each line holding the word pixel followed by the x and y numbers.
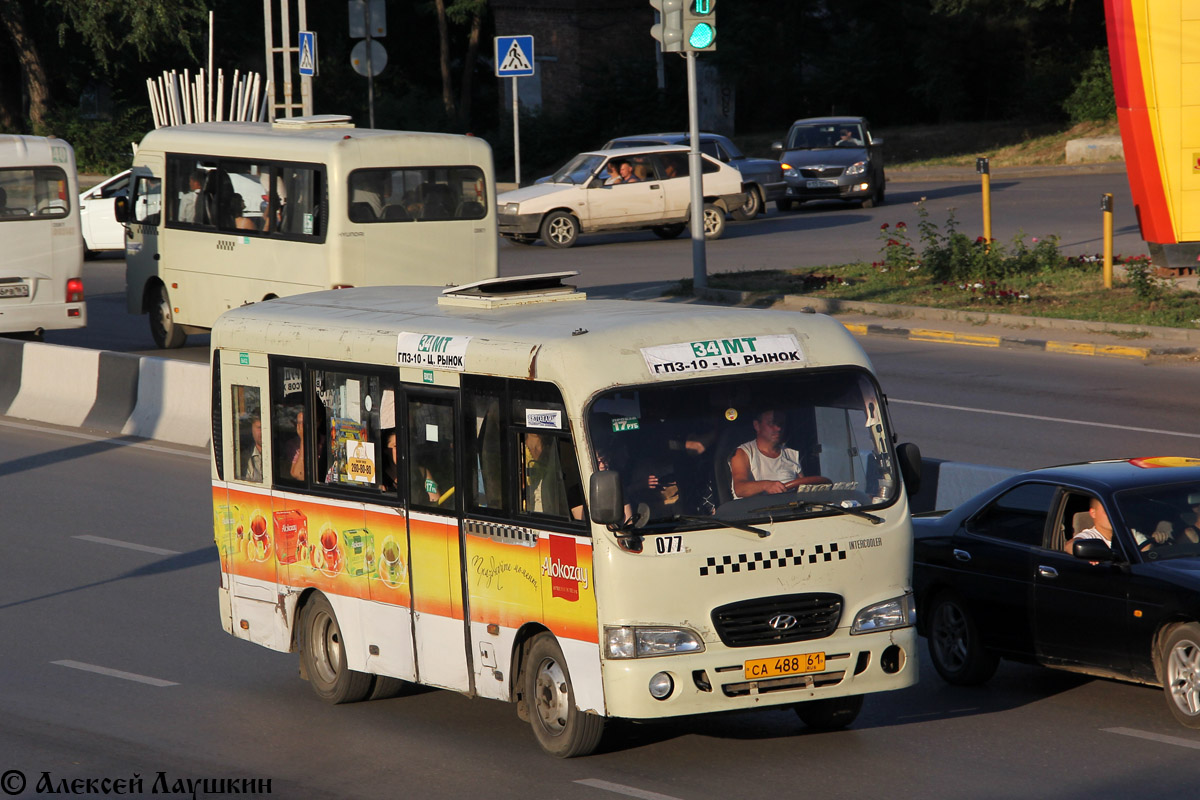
pixel 981 166
pixel 1106 206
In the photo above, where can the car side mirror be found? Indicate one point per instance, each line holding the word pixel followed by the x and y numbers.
pixel 121 209
pixel 604 498
pixel 1092 550
pixel 909 457
pixel 776 145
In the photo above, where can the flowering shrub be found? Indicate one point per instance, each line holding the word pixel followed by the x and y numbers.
pixel 953 257
pixel 898 251
pixel 986 292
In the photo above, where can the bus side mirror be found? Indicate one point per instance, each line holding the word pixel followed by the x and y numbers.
pixel 909 457
pixel 605 501
pixel 121 209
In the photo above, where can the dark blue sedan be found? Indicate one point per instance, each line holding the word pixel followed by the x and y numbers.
pixel 1093 568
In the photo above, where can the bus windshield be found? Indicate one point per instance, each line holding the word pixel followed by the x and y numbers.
pixel 816 438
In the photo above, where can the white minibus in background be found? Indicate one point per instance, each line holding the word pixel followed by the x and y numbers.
pixel 222 214
pixel 41 247
pixel 513 492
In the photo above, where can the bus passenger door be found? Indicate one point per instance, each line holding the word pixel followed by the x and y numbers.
pixel 142 229
pixel 242 503
pixel 434 540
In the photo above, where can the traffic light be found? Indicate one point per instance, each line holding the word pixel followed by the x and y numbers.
pixel 669 29
pixel 700 25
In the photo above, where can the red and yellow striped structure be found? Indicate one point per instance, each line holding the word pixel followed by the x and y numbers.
pixel 1154 49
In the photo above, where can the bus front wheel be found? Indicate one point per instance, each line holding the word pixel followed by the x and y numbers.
pixel 324 655
pixel 561 728
pixel 167 335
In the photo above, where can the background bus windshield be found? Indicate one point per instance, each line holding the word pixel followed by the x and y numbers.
pixel 823 432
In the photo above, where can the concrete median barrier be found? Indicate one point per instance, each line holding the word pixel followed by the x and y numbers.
pixel 153 398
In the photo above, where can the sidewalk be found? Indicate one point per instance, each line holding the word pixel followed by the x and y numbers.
pixel 984 329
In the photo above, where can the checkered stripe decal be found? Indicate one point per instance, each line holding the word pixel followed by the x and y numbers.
pixel 771 559
pixel 225 245
pixel 502 533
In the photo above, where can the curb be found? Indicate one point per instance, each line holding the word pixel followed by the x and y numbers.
pixel 142 396
pixel 1189 339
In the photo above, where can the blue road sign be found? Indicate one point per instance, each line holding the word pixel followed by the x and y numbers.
pixel 514 56
pixel 307 46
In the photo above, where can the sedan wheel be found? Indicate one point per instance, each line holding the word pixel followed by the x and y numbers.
pixel 560 229
pixel 751 208
pixel 955 646
pixel 714 221
pixel 1181 667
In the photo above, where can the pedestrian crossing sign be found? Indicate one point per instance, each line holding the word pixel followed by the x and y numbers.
pixel 514 56
pixel 307 47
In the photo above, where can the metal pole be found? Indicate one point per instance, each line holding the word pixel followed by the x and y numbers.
pixel 695 171
pixel 370 68
pixel 516 133
pixel 1106 205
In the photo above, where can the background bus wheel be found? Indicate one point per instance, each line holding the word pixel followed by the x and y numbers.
pixel 830 714
pixel 954 644
pixel 324 656
pixel 1181 674
pixel 560 229
pixel 560 727
pixel 714 221
pixel 167 335
pixel 751 208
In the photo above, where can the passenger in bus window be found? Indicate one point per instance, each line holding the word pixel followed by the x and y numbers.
pixel 294 450
pixel 545 488
pixel 240 220
pixel 388 480
pixel 187 203
pixel 252 463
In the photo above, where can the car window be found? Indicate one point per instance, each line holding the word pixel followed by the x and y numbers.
pixel 711 148
pixel 672 165
pixel 1017 516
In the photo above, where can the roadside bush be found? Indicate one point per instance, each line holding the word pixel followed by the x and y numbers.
pixel 1147 286
pixel 951 257
pixel 1092 97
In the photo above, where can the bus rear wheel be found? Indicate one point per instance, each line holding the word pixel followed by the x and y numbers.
pixel 167 335
pixel 560 727
pixel 323 654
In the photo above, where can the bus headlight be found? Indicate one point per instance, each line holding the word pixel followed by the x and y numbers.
pixel 899 612
pixel 638 642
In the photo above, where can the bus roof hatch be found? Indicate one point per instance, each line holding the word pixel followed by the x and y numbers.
pixel 510 291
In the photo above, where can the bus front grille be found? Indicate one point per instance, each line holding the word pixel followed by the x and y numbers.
pixel 778 620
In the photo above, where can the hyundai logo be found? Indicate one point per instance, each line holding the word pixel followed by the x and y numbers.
pixel 781 622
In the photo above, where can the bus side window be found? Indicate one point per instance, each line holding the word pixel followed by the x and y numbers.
pixel 147 204
pixel 483 454
pixel 431 454
pixel 246 419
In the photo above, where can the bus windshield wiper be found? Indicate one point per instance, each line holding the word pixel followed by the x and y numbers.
pixel 741 526
pixel 854 512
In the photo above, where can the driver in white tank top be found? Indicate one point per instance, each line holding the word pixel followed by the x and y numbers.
pixel 764 465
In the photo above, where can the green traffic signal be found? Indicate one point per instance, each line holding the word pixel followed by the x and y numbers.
pixel 702 35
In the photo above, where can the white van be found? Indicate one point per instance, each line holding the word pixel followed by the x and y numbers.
pixel 222 214
pixel 42 263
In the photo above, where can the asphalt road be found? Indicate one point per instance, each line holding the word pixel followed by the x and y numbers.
pixel 818 234
pixel 116 665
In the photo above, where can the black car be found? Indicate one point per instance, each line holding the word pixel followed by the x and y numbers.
pixel 762 178
pixel 832 158
pixel 1005 575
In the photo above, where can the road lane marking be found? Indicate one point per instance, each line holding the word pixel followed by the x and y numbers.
pixel 158 551
pixel 114 673
pixel 1044 419
pixel 628 791
pixel 1154 737
pixel 146 445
